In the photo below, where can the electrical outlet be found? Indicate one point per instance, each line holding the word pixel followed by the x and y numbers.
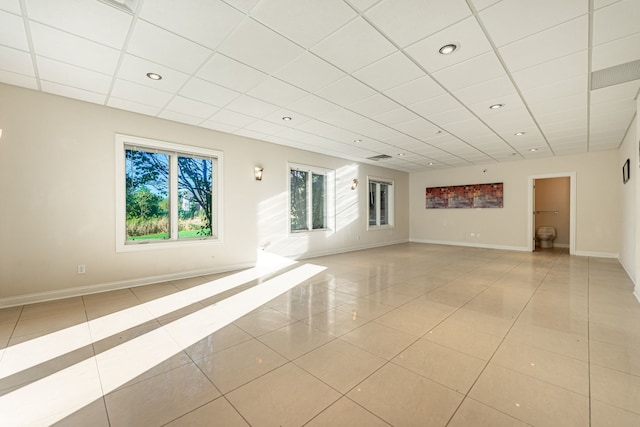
pixel 81 269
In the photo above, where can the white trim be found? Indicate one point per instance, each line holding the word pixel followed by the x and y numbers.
pixel 391 203
pixel 114 286
pixel 121 141
pixel 330 199
pixel 597 254
pixel 572 208
pixel 472 245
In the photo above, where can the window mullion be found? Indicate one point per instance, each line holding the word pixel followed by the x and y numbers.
pixel 309 200
pixel 378 203
pixel 173 196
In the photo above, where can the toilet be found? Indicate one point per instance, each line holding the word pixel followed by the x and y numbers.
pixel 546 235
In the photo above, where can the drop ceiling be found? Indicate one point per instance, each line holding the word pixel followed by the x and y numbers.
pixel 358 78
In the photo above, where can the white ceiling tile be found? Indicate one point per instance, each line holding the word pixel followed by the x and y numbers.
pixel 511 121
pixel 125 104
pixel 135 69
pixel 155 44
pixel 179 117
pixel 568 38
pixel 620 92
pixel 346 91
pixel 485 91
pixel 417 90
pixel 293 134
pixel 616 52
pixel 230 73
pixel 552 71
pixel 373 129
pixel 459 114
pixel 363 5
pixel 312 105
pixel 573 86
pixel 210 93
pixel 470 129
pixel 389 72
pixel 483 4
pixel 419 128
pixel 557 105
pixel 342 118
pixel 374 105
pixel 306 23
pixel 11 6
pixel 354 46
pixel 74 50
pixel 16 61
pixel 394 117
pixel 309 72
pixel 406 21
pixel 140 94
pixel 263 126
pixel 258 46
pixel 70 75
pixel 510 102
pixel 221 127
pixel 615 21
pixel 251 106
pixel 93 20
pixel 323 130
pixel 435 105
pixel 511 20
pixel 72 92
pixel 12 32
pixel 597 4
pixel 187 106
pixel 243 5
pixel 204 22
pixel 470 72
pixel 277 92
pixel 467 35
pixel 232 118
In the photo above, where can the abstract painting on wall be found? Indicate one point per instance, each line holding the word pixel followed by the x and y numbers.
pixel 465 196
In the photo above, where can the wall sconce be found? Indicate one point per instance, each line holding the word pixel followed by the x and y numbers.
pixel 257 172
pixel 354 183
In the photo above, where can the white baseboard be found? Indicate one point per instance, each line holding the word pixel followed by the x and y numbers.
pixel 597 254
pixel 113 286
pixel 123 284
pixel 472 245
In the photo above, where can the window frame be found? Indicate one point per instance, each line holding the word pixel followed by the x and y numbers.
pixel 175 150
pixel 390 203
pixel 329 197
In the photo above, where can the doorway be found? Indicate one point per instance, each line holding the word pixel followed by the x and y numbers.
pixel 551 208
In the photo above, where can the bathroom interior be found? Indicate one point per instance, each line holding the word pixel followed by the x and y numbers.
pixel 552 208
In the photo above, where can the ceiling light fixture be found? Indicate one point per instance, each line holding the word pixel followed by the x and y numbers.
pixel 357 141
pixel 400 154
pixel 430 164
pixel 519 133
pixel 533 150
pixel 496 106
pixel 287 118
pixel 448 49
pixel 154 76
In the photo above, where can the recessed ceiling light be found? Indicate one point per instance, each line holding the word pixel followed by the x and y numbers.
pixel 287 118
pixel 533 150
pixel 400 154
pixel 448 49
pixel 519 133
pixel 496 106
pixel 357 141
pixel 438 132
pixel 154 76
pixel 430 164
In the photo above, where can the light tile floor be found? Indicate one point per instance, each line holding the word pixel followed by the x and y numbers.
pixel 404 335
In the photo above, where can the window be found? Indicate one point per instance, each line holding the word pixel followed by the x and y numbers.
pixel 380 203
pixel 308 198
pixel 166 193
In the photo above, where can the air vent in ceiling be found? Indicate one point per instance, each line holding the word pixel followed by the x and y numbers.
pixel 380 157
pixel 615 75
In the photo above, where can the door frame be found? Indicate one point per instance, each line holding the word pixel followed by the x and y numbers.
pixel 572 208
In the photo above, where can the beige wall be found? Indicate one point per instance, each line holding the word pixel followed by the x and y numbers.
pixel 630 205
pixel 553 195
pixel 57 184
pixel 597 198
